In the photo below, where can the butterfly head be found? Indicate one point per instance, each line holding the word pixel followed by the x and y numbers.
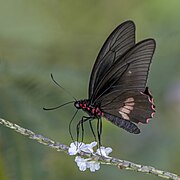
pixel 77 104
pixel 82 104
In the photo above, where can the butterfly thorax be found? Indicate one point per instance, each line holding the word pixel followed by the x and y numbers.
pixel 92 110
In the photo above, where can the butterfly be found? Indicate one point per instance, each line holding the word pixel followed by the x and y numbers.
pixel 117 87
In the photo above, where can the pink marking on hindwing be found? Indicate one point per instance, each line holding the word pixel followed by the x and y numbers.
pixel 129 100
pixel 127 108
pixel 124 115
pixel 153 107
pixel 148 119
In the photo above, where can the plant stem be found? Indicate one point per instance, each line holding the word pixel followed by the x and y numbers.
pixel 121 164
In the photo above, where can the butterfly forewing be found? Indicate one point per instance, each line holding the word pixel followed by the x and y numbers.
pixel 122 93
pixel 129 72
pixel 119 41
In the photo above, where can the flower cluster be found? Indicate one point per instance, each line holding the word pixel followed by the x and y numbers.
pixel 82 163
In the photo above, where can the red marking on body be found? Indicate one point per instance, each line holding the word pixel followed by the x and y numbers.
pixel 88 108
pixel 93 110
pixel 97 109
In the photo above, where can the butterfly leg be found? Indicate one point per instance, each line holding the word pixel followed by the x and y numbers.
pixel 92 130
pixel 99 130
pixel 82 130
pixel 80 124
pixel 70 132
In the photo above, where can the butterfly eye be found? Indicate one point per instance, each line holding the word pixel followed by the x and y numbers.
pixel 77 104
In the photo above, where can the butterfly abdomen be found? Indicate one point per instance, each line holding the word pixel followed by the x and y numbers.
pixel 122 123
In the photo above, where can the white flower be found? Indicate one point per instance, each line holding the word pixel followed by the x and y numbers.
pixel 88 147
pixel 81 163
pixel 76 147
pixel 84 164
pixel 102 151
pixel 93 166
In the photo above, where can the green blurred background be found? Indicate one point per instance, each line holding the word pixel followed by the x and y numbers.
pixel 40 37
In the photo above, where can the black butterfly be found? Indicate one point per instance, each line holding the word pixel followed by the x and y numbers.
pixel 117 87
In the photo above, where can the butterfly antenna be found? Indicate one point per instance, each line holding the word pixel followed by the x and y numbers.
pixel 53 108
pixel 52 77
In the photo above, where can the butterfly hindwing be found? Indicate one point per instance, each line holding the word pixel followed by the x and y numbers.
pixel 132 106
